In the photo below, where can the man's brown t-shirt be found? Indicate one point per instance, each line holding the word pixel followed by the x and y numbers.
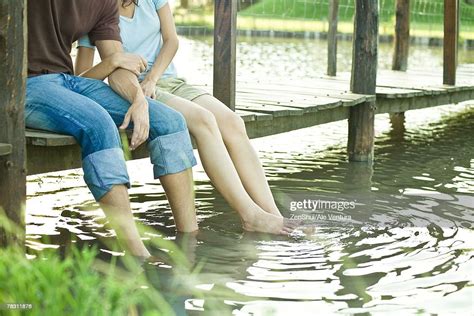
pixel 54 25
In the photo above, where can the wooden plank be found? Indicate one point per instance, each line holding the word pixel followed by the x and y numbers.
pixel 360 145
pixel 450 45
pixel 391 92
pixel 276 111
pixel 277 92
pixel 288 123
pixel 313 105
pixel 413 80
pixel 257 115
pixel 417 78
pixel 225 34
pixel 402 35
pixel 12 123
pixel 48 139
pixel 42 159
pixel 5 149
pixel 332 37
pixel 247 117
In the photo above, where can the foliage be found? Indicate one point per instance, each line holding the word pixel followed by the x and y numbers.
pixel 74 285
pixel 79 283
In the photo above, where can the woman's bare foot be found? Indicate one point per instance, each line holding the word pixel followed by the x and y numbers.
pixel 273 210
pixel 263 222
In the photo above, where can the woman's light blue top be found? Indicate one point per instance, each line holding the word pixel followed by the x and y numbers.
pixel 141 34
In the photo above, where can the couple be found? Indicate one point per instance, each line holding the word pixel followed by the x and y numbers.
pixel 137 41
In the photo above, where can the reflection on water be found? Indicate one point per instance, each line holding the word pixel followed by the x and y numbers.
pixel 405 248
pixel 278 58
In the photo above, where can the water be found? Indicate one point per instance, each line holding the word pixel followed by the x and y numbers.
pixel 405 248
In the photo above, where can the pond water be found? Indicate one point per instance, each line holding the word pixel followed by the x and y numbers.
pixel 404 248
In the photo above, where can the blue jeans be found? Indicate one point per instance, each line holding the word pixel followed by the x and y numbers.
pixel 90 111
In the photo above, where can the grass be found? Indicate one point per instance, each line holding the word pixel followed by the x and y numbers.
pixel 79 283
pixel 76 285
pixel 297 16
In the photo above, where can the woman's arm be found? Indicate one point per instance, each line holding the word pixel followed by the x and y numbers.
pixel 85 61
pixel 167 52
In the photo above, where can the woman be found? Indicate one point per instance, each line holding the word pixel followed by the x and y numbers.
pixel 150 40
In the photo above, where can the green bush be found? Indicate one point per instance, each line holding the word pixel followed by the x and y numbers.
pixel 76 285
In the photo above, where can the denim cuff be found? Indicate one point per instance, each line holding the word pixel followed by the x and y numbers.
pixel 104 169
pixel 171 153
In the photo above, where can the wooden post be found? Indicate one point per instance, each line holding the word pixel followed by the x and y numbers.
pixel 401 47
pixel 12 124
pixel 184 4
pixel 360 143
pixel 225 35
pixel 332 37
pixel 450 50
pixel 397 120
pixel 402 35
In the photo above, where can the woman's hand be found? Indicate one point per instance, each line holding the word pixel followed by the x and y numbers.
pixel 132 62
pixel 149 88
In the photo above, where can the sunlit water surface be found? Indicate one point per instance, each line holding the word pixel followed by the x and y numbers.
pixel 405 248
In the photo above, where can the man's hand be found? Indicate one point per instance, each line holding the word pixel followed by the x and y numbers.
pixel 132 62
pixel 138 114
pixel 126 84
pixel 149 88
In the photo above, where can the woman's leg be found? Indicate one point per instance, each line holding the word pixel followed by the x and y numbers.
pixel 220 169
pixel 243 155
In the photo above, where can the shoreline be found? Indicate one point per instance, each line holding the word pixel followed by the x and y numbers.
pixel 193 30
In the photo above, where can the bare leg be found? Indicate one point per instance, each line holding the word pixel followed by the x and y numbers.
pixel 220 169
pixel 116 206
pixel 179 189
pixel 241 151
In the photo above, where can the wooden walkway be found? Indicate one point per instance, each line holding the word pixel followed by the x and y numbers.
pixel 275 107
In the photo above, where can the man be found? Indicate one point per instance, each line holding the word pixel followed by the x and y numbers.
pixel 90 111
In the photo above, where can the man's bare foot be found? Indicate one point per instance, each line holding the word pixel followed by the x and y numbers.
pixel 263 222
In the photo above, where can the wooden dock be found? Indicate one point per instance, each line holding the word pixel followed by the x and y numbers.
pixel 270 108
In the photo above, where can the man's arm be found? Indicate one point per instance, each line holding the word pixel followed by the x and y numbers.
pixel 84 66
pixel 126 84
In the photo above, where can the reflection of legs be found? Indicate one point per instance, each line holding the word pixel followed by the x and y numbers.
pixel 221 171
pixel 52 106
pixel 243 155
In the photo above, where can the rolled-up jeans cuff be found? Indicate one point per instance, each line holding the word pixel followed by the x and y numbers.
pixel 171 153
pixel 104 169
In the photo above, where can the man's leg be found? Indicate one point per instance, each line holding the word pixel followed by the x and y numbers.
pixel 116 206
pixel 52 106
pixel 170 149
pixel 179 188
